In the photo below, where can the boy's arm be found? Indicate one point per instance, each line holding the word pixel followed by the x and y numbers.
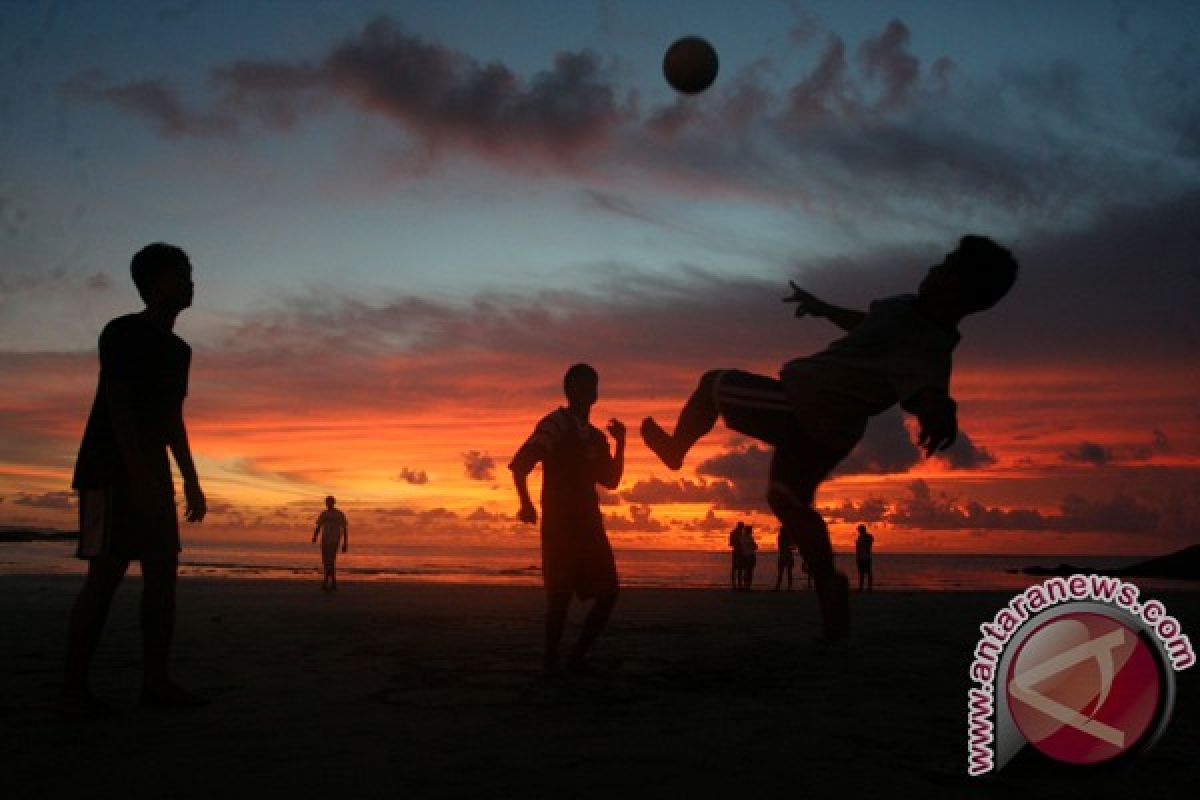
pixel 520 471
pixel 616 465
pixel 317 529
pixel 808 303
pixel 937 413
pixel 197 505
pixel 540 442
pixel 346 537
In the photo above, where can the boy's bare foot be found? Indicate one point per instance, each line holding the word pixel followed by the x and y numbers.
pixel 171 696
pixel 660 443
pixel 85 705
pixel 551 667
pixel 833 596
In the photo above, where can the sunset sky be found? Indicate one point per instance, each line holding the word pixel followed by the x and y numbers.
pixel 407 219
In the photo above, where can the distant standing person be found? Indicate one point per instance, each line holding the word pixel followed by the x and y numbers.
pixel 786 560
pixel 862 553
pixel 735 549
pixel 333 530
pixel 577 558
pixel 126 496
pixel 749 557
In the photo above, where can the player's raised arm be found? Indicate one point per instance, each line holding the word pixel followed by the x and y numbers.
pixel 808 303
pixel 616 467
pixel 937 413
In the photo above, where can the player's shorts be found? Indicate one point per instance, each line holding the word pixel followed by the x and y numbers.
pixel 755 405
pixel 864 566
pixel 577 559
pixel 111 524
pixel 329 550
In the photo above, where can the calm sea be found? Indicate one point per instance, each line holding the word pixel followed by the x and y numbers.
pixel 370 560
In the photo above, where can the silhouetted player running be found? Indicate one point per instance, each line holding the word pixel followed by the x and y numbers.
pixel 576 556
pixel 816 411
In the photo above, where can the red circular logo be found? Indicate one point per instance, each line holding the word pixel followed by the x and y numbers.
pixel 1083 688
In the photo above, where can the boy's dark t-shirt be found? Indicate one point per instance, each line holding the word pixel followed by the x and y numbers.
pixel 575 456
pixel 153 363
pixel 576 555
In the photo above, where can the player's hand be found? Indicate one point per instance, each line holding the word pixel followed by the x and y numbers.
pixel 938 415
pixel 345 548
pixel 616 429
pixel 528 514
pixel 806 302
pixel 197 505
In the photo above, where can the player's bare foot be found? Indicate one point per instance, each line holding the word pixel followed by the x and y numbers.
pixel 833 595
pixel 660 443
pixel 81 705
pixel 551 666
pixel 170 695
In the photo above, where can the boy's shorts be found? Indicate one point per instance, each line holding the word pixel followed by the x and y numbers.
pixel 329 551
pixel 577 559
pixel 111 524
pixel 756 405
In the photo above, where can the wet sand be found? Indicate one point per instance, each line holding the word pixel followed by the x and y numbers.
pixel 431 690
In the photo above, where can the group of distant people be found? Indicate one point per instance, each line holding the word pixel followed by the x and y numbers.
pixel 812 415
pixel 744 550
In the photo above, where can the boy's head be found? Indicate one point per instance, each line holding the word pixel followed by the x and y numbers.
pixel 862 529
pixel 974 277
pixel 162 274
pixel 581 385
pixel 330 501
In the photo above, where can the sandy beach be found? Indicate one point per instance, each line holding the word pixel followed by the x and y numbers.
pixel 430 690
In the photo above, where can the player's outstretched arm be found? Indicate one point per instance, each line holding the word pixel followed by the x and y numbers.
pixel 808 303
pixel 937 414
pixel 616 467
pixel 527 513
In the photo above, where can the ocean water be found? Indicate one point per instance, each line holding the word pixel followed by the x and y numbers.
pixel 382 561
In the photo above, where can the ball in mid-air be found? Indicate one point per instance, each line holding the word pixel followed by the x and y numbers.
pixel 690 65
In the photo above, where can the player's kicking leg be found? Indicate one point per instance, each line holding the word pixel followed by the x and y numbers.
pixel 753 399
pixel 795 474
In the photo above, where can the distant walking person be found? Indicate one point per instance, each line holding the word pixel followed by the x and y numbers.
pixel 577 558
pixel 735 549
pixel 749 557
pixel 786 561
pixel 333 530
pixel 126 496
pixel 815 412
pixel 862 554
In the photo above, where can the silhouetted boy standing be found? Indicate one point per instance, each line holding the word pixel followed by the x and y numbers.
pixel 126 495
pixel 576 556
